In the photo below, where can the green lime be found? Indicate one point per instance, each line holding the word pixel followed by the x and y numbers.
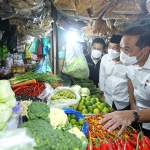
pixel 83 98
pixel 105 110
pixel 97 99
pixel 87 104
pixel 81 121
pixel 80 107
pixel 111 109
pixel 73 116
pixel 87 98
pixel 103 104
pixel 90 109
pixel 100 107
pixel 98 103
pixel 96 111
pixel 94 106
pixel 73 121
pixel 79 127
pixel 93 100
pixel 85 111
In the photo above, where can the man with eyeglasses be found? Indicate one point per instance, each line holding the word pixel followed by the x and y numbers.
pixel 135 52
pixel 113 80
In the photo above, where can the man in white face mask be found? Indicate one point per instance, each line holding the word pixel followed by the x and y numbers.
pixel 113 80
pixel 135 52
pixel 94 59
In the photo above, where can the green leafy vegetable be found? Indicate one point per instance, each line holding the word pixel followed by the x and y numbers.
pixel 76 67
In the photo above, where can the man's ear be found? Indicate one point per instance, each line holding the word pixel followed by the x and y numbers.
pixel 146 50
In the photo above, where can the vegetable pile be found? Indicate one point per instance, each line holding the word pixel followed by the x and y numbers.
pixel 100 139
pixel 63 94
pixel 30 90
pixel 44 77
pixel 41 124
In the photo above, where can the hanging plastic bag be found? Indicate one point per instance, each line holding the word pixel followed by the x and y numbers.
pixel 16 140
pixel 84 128
pixel 34 46
pixel 75 63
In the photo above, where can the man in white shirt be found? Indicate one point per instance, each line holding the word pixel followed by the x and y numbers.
pixel 113 80
pixel 135 47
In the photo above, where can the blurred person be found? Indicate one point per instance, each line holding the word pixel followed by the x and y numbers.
pixel 94 59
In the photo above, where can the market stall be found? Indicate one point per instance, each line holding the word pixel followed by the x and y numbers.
pixel 47 101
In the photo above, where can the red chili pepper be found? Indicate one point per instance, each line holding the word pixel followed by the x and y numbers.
pixel 135 136
pixel 135 131
pixel 97 147
pixel 128 146
pixel 147 141
pixel 144 145
pixel 104 146
pixel 133 143
pixel 122 142
pixel 19 88
pixel 90 145
pixel 113 146
pixel 109 144
pixel 116 142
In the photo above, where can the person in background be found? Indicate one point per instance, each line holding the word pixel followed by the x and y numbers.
pixel 135 53
pixel 94 59
pixel 84 47
pixel 113 80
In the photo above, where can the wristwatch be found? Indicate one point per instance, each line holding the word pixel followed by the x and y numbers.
pixel 135 115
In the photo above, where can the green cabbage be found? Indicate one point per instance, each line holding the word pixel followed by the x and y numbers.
pixel 85 92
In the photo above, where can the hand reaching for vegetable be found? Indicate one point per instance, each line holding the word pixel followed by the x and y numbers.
pixel 117 119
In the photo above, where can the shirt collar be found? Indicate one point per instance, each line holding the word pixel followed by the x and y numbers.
pixel 119 62
pixel 95 62
pixel 147 64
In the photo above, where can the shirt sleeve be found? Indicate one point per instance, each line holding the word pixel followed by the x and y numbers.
pixel 102 77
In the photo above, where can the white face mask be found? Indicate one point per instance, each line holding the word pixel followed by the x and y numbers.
pixel 127 60
pixel 96 54
pixel 113 54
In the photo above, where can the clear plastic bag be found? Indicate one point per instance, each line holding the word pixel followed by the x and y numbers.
pixel 64 103
pixel 46 92
pixel 148 5
pixel 75 63
pixel 18 139
pixel 128 7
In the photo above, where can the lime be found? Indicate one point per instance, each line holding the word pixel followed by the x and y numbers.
pixel 83 98
pixel 85 111
pixel 100 107
pixel 101 99
pixel 80 107
pixel 73 116
pixel 81 121
pixel 96 111
pixel 93 100
pixel 103 104
pixel 84 107
pixel 82 101
pixel 97 99
pixel 87 104
pixel 105 110
pixel 111 109
pixel 79 127
pixel 73 121
pixel 90 109
pixel 69 115
pixel 98 103
pixel 94 106
pixel 87 98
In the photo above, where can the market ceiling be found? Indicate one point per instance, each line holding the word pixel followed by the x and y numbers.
pixel 96 17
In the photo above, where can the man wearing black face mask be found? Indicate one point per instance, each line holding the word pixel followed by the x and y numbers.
pixel 135 51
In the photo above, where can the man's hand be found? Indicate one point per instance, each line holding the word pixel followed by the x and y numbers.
pixel 117 119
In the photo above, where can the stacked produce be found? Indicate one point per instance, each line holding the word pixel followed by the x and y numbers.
pixel 49 128
pixel 101 139
pixel 89 105
pixel 7 102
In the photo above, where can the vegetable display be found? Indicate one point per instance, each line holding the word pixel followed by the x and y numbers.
pixel 30 90
pixel 44 77
pixel 131 139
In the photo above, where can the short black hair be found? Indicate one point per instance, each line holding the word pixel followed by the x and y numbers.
pixel 115 39
pixel 99 40
pixel 144 36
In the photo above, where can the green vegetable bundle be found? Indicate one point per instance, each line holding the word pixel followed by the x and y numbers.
pixel 45 77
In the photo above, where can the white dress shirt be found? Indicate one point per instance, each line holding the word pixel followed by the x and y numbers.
pixel 113 81
pixel 140 77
